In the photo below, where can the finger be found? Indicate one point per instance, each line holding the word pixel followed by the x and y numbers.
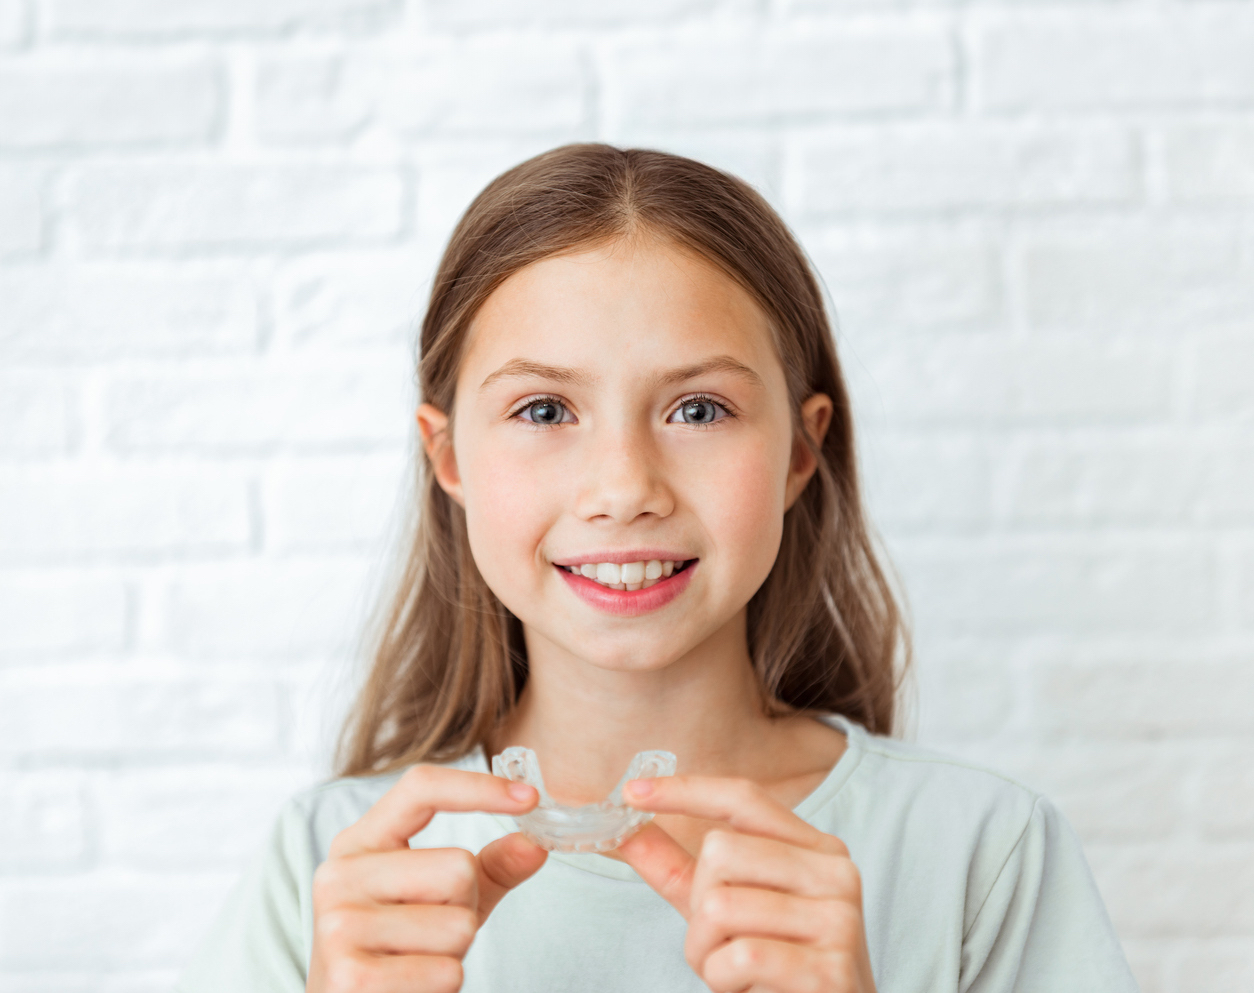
pixel 502 865
pixel 729 912
pixel 407 807
pixel 730 859
pixel 778 966
pixel 399 929
pixel 421 875
pixel 741 803
pixel 390 973
pixel 660 861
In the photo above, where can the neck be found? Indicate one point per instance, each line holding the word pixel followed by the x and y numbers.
pixel 585 722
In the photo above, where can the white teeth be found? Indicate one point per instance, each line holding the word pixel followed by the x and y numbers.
pixel 628 575
pixel 609 573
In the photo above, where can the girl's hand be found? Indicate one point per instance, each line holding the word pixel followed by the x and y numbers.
pixel 772 904
pixel 390 918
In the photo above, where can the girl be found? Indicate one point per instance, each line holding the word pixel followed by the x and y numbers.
pixel 640 529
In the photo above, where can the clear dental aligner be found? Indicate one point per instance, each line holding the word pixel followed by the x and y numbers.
pixel 594 827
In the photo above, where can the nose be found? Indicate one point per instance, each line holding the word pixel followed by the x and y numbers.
pixel 623 477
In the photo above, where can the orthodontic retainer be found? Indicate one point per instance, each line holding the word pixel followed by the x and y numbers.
pixel 594 827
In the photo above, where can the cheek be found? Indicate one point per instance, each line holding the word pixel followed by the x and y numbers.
pixel 509 507
pixel 743 500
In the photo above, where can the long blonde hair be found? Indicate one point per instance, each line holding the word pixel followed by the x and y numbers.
pixel 825 632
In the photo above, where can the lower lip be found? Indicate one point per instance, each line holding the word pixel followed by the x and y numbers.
pixel 628 603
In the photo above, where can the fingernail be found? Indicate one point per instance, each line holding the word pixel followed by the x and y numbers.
pixel 640 787
pixel 520 791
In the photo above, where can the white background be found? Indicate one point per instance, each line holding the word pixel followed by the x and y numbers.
pixel 218 222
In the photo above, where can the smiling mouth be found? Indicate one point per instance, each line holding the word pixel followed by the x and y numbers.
pixel 628 575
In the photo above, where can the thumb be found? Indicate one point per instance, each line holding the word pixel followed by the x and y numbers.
pixel 504 864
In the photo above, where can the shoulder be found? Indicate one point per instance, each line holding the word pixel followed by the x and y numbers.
pixel 931 803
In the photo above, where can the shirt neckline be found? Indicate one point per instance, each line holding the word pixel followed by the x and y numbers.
pixel 820 796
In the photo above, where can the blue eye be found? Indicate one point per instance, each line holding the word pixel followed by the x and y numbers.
pixel 545 412
pixel 698 411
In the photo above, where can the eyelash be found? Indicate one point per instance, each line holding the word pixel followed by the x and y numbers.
pixel 546 398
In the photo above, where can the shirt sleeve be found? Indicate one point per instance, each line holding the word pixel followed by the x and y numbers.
pixel 258 941
pixel 1043 926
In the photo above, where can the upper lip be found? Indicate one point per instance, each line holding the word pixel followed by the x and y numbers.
pixel 637 555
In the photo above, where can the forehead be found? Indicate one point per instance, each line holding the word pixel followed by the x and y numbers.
pixel 642 303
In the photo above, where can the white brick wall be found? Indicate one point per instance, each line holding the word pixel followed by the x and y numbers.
pixel 218 222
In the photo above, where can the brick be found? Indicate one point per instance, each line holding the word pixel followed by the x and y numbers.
pixel 36 412
pixel 1056 482
pixel 72 315
pixel 290 610
pixel 453 173
pixel 106 920
pixel 966 692
pixel 351 300
pixel 335 504
pixel 43 821
pixel 1057 586
pixel 1222 387
pixel 53 615
pixel 1170 890
pixel 1210 164
pixel 1120 57
pixel 228 207
pixel 740 76
pixel 304 406
pixel 189 817
pixel 64 512
pixel 164 18
pixel 14 23
pixel 1124 793
pixel 1245 588
pixel 481 88
pixel 45 106
pixel 910 282
pixel 1228 493
pixel 1225 795
pixel 97 714
pixel 1144 698
pixel 308 100
pixel 973 166
pixel 560 13
pixel 922 482
pixel 22 209
pixel 1136 277
pixel 972 379
pixel 143 981
pixel 1217 967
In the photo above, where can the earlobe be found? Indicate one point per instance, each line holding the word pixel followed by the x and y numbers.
pixel 433 428
pixel 816 416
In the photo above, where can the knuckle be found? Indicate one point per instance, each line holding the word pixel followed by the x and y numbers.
pixel 335 925
pixel 445 974
pixel 347 975
pixel 328 882
pixel 849 879
pixel 463 869
pixel 717 847
pixel 463 923
pixel 716 905
pixel 418 776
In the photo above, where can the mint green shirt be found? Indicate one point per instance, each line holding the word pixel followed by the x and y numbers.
pixel 971 883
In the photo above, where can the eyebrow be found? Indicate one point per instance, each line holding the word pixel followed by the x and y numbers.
pixel 521 368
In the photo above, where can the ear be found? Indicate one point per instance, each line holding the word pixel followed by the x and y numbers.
pixel 433 427
pixel 816 415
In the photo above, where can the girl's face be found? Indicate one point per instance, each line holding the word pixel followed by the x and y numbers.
pixel 617 407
